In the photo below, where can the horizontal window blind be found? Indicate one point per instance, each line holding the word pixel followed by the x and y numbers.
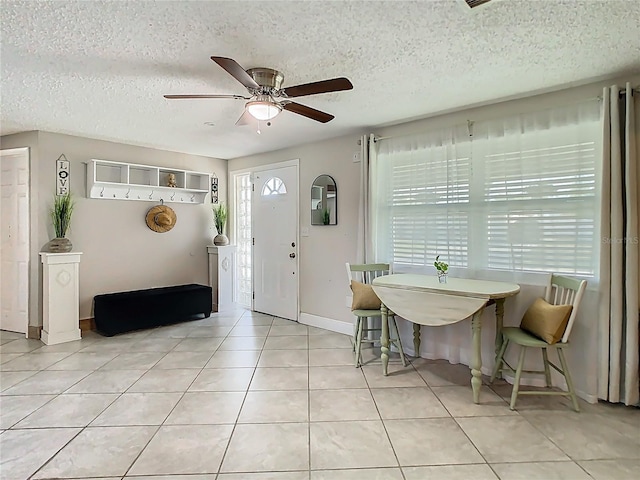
pixel 518 199
pixel 418 234
pixel 539 200
pixel 425 204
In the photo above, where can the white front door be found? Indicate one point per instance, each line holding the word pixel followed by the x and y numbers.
pixel 275 250
pixel 14 241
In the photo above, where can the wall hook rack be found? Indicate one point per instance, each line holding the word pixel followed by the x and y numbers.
pixel 129 181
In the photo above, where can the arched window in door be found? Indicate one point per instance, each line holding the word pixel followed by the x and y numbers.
pixel 274 186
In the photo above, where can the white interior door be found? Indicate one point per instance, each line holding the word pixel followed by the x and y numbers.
pixel 14 241
pixel 275 236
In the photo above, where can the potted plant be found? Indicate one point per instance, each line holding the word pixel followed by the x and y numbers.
pixel 442 269
pixel 60 213
pixel 220 215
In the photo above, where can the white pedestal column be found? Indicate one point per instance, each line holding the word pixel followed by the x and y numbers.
pixel 60 297
pixel 222 262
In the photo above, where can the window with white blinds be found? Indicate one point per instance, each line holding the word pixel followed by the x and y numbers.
pixel 427 205
pixel 520 197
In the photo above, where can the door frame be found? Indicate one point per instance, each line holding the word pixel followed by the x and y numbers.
pixel 232 195
pixel 25 151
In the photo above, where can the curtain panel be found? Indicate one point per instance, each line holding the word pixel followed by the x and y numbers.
pixel 618 333
pixel 364 249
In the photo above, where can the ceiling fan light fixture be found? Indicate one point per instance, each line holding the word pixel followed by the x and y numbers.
pixel 263 108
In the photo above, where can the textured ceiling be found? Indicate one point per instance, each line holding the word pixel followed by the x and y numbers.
pixel 99 69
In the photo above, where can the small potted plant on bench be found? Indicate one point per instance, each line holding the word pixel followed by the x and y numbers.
pixel 442 269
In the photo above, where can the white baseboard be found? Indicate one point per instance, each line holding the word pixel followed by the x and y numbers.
pixel 337 326
pixel 587 397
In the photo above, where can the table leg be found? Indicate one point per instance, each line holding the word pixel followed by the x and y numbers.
pixel 499 339
pixel 416 340
pixel 384 339
pixel 476 355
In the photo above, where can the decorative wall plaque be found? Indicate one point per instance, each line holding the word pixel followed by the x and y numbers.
pixel 214 188
pixel 62 175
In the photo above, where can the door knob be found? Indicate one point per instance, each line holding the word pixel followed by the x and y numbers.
pixel 292 255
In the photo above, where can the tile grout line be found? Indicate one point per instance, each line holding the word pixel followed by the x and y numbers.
pixel 549 438
pixel 218 473
pixel 137 457
pixel 82 429
pixel 454 419
pixel 384 426
pixel 182 396
pixel 246 393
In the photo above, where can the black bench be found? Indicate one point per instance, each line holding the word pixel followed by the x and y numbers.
pixel 126 311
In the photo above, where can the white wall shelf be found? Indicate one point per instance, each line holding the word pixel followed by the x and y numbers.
pixel 128 181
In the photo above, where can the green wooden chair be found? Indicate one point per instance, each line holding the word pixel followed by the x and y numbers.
pixel 560 291
pixel 365 273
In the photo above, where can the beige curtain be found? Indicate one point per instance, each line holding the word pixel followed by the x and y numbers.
pixel 364 252
pixel 618 376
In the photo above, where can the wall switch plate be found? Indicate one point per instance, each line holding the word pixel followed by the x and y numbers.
pixel 356 157
pixel 304 232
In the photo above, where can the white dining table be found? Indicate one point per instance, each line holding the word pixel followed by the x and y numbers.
pixel 423 300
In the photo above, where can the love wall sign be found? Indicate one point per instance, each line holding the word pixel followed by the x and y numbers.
pixel 62 175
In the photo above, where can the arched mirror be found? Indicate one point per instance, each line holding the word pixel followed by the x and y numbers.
pixel 324 201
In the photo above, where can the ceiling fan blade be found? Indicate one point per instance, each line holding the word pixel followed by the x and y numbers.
pixel 236 71
pixel 237 97
pixel 245 119
pixel 324 86
pixel 308 112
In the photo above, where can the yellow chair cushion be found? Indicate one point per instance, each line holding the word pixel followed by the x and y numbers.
pixel 364 298
pixel 546 321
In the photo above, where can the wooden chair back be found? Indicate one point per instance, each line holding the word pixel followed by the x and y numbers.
pixel 365 273
pixel 566 291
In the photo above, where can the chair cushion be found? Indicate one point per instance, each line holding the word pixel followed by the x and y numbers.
pixel 520 337
pixel 546 321
pixel 364 298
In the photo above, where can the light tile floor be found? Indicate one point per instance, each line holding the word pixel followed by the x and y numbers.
pixel 247 396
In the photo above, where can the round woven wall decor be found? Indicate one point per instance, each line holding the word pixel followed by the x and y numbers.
pixel 161 218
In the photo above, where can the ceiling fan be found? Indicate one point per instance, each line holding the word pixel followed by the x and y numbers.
pixel 268 98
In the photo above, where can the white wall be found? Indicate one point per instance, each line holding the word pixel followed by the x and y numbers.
pixel 119 251
pixel 323 284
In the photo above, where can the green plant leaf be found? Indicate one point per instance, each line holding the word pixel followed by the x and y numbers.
pixel 61 213
pixel 441 266
pixel 220 215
